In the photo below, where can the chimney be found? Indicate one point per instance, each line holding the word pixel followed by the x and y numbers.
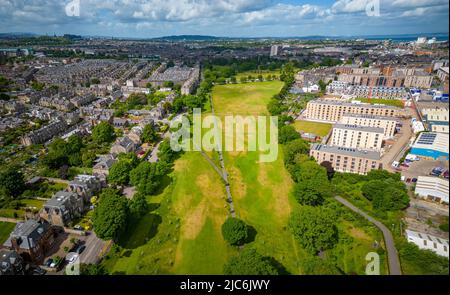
pixel 15 243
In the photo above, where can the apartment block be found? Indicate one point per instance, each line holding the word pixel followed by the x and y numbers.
pixel 332 110
pixel 388 124
pixel 344 159
pixel 355 136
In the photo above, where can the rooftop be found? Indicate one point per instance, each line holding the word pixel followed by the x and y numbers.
pixel 359 128
pixel 346 151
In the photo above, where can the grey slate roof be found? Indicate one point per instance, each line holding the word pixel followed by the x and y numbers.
pixel 28 233
pixel 346 151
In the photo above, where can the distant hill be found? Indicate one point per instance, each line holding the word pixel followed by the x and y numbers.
pixel 16 35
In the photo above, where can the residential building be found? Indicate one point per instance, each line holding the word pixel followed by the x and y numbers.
pixel 85 186
pixel 123 145
pixel 333 110
pixel 31 239
pixel 355 136
pixel 11 263
pixel 428 242
pixel 431 145
pixel 344 159
pixel 102 166
pixel 45 133
pixel 62 208
pixel 433 188
pixel 442 73
pixel 388 124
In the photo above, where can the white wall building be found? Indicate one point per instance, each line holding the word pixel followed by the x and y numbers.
pixel 354 136
pixel 387 123
pixel 428 242
pixel 431 187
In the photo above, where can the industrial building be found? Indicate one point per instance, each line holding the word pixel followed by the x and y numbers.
pixel 433 188
pixel 431 145
pixel 428 242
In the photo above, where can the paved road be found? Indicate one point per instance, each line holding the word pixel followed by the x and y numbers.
pixel 394 262
pixel 94 247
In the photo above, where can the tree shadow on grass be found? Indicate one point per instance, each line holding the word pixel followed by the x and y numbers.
pixel 140 231
pixel 279 267
pixel 251 231
pixel 165 182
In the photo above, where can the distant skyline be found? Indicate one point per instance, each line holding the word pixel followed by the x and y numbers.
pixel 230 18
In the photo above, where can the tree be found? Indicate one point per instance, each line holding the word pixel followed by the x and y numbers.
pixel 165 152
pixel 314 228
pixel 312 192
pixel 318 266
pixel 92 269
pixel 234 231
pixel 110 215
pixel 292 149
pixel 145 177
pixel 103 133
pixel 12 181
pixel 250 262
pixel 168 84
pixel 149 134
pixel 139 205
pixel 287 133
pixel 119 172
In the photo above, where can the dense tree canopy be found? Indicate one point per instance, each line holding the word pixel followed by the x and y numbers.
pixel 250 262
pixel 149 134
pixel 234 231
pixel 138 205
pixel 103 133
pixel 287 133
pixel 110 215
pixel 12 181
pixel 119 172
pixel 314 228
pixel 145 177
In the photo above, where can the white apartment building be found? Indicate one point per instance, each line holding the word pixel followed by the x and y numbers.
pixel 333 110
pixel 360 137
pixel 347 160
pixel 433 188
pixel 428 242
pixel 387 123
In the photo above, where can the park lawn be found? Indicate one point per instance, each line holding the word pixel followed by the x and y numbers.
pixel 355 242
pixel 12 213
pixel 321 129
pixel 260 190
pixel 5 229
pixel 181 234
pixel 34 203
pixel 389 102
pixel 244 99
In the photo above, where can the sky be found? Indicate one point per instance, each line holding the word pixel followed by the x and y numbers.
pixel 228 18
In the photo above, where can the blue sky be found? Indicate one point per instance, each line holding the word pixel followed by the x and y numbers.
pixel 235 18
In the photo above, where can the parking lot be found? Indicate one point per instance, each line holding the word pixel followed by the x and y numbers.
pixel 422 167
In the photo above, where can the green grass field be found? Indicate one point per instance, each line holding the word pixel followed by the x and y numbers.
pixel 5 230
pixel 389 102
pixel 318 128
pixel 181 234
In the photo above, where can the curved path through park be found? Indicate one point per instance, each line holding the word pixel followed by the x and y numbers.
pixel 394 262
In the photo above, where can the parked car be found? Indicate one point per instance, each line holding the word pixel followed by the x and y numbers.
pixel 80 249
pixel 437 171
pixel 38 272
pixel 78 227
pixel 414 180
pixel 445 174
pixel 48 262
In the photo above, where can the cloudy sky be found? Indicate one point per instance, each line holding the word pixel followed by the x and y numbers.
pixel 236 18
